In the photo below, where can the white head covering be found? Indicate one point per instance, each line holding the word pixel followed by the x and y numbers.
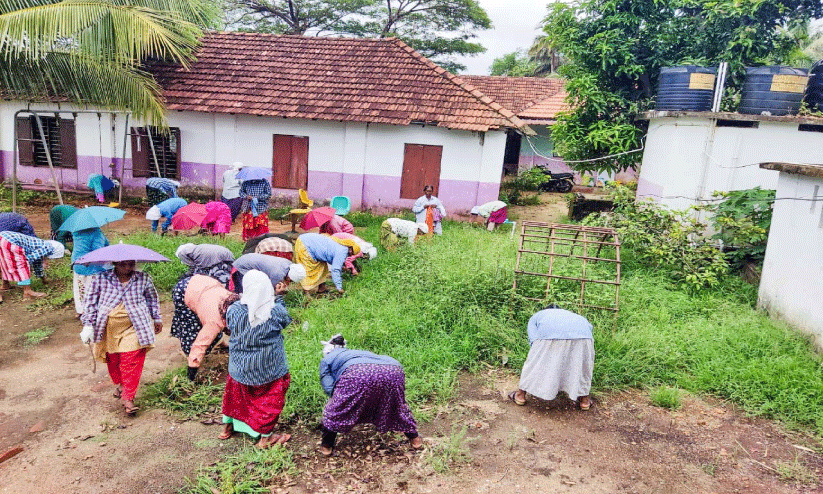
pixel 296 272
pixel 336 341
pixel 423 227
pixel 372 252
pixel 58 249
pixel 237 165
pixel 153 213
pixel 258 296
pixel 475 210
pixel 183 252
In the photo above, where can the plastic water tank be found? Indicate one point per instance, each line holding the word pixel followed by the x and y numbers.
pixel 773 90
pixel 686 88
pixel 814 90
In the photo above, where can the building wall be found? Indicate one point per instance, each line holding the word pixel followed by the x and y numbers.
pixel 361 161
pixel 686 159
pixel 790 285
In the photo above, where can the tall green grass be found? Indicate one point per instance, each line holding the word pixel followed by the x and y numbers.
pixel 446 305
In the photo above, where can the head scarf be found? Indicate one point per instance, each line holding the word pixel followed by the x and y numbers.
pixel 183 253
pixel 258 296
pixel 423 227
pixel 57 249
pixel 237 165
pixel 348 243
pixel 296 272
pixel 336 341
pixel 153 213
pixel 475 210
pixel 372 252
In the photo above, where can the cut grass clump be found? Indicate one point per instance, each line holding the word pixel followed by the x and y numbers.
pixel 38 335
pixel 251 471
pixel 443 453
pixel 176 394
pixel 665 397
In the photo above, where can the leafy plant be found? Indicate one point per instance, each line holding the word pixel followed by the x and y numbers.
pixel 38 335
pixel 443 453
pixel 742 222
pixel 251 471
pixel 795 471
pixel 666 397
pixel 175 393
pixel 511 191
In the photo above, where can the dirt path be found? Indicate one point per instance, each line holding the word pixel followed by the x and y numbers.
pixel 76 439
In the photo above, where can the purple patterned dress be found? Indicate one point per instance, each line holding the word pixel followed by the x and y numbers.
pixel 370 394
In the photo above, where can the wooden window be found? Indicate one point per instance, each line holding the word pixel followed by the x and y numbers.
pixel 290 162
pixel 155 153
pixel 61 141
pixel 421 167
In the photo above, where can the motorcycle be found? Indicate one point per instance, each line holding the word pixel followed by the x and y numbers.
pixel 557 182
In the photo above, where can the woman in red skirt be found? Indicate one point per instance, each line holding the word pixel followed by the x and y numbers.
pixel 255 207
pixel 258 371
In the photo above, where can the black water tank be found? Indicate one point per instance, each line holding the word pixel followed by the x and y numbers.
pixel 814 90
pixel 775 89
pixel 687 88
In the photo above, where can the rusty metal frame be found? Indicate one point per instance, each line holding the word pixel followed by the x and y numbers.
pixel 551 239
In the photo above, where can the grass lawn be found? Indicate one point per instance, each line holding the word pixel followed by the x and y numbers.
pixel 446 306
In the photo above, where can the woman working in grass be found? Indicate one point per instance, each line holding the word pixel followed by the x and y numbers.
pixel 338 224
pixel 258 370
pixel 121 315
pixel 14 222
pixel 281 272
pixel 363 388
pixel 165 209
pixel 21 256
pixel 207 259
pixel 57 216
pixel 320 255
pixel 200 305
pixel 494 213
pixel 366 249
pixel 394 230
pixel 561 357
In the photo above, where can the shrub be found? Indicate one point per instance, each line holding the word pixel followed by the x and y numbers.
pixel 511 191
pixel 742 222
pixel 666 397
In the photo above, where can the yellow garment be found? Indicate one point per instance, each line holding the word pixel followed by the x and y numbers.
pixel 119 336
pixel 348 243
pixel 316 271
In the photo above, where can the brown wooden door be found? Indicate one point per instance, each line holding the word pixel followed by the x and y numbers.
pixel 140 152
pixel 25 146
pixel 421 167
pixel 68 143
pixel 290 162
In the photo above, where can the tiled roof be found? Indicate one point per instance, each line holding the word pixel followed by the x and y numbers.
pixel 341 79
pixel 530 98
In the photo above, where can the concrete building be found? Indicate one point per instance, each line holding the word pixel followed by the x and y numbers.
pixel 690 155
pixel 370 119
pixel 791 285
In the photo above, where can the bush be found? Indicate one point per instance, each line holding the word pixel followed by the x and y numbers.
pixel 666 397
pixel 511 191
pixel 742 222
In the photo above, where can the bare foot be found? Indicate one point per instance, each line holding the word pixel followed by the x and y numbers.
pixel 325 451
pixel 266 442
pixel 228 431
pixel 416 443
pixel 28 294
pixel 118 391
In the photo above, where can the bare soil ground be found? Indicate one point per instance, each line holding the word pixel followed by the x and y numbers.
pixel 76 439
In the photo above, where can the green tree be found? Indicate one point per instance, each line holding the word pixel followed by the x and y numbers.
pixel 615 49
pixel 514 64
pixel 439 29
pixel 92 51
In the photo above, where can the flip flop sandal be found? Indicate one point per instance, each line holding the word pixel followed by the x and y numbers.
pixel 518 402
pixel 586 406
pixel 131 411
pixel 117 393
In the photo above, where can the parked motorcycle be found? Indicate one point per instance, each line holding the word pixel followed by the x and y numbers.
pixel 557 182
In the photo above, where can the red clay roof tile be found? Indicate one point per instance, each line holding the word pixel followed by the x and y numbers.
pixel 342 79
pixel 530 98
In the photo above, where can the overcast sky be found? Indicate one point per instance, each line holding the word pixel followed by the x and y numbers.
pixel 514 25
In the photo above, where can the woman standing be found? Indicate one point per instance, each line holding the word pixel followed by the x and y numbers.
pixel 85 241
pixel 429 210
pixel 258 370
pixel 255 207
pixel 364 388
pixel 231 189
pixel 121 315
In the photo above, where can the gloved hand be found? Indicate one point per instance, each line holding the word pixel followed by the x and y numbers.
pixel 87 334
pixel 192 373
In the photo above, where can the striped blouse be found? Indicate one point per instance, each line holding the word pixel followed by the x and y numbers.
pixel 256 355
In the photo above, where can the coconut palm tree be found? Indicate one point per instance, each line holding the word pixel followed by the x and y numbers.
pixel 92 52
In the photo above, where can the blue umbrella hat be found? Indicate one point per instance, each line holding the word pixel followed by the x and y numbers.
pixel 91 217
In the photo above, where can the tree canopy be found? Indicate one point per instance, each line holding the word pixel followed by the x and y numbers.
pixel 91 52
pixel 616 48
pixel 439 29
pixel 514 64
